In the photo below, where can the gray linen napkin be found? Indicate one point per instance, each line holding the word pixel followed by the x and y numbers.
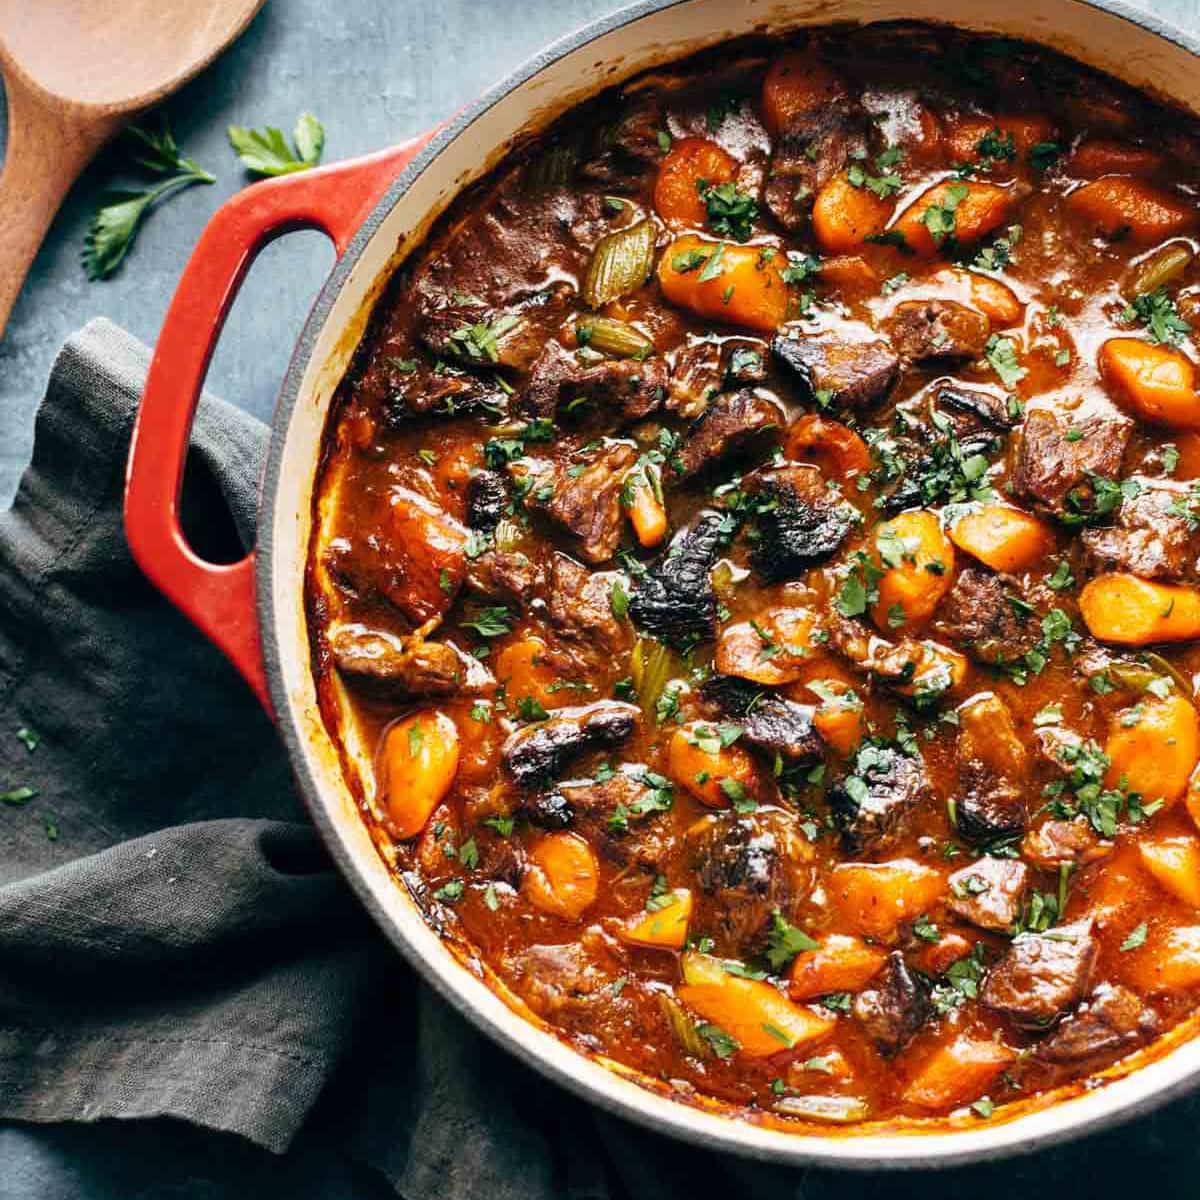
pixel 174 943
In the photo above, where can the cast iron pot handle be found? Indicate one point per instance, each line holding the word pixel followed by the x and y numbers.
pixel 220 598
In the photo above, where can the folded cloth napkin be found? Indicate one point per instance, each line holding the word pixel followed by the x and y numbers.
pixel 174 943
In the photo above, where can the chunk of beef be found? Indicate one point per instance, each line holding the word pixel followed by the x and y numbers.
pixel 841 372
pixel 730 421
pixel 1054 843
pixel 895 1007
pixel 872 803
pixel 1057 454
pixel 580 603
pixel 674 600
pixel 705 367
pixel 618 815
pixel 979 616
pixel 510 576
pixel 801 522
pixel 620 390
pixel 417 388
pixel 387 666
pixel 1110 1021
pixel 768 721
pixel 748 867
pixel 558 980
pixel 583 497
pixel 1042 976
pixel 989 802
pixel 536 754
pixel 481 337
pixel 627 149
pixel 936 330
pixel 988 893
pixel 1152 536
pixel 487 500
pixel 406 550
pixel 813 146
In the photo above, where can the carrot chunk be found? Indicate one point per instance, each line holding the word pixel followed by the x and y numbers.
pixel 666 928
pixel 690 163
pixel 725 282
pixel 418 765
pixel 1159 384
pixel 525 669
pixel 996 300
pixel 1025 129
pixel 1001 537
pixel 797 83
pixel 714 773
pixel 839 718
pixel 840 963
pixel 646 513
pixel 833 447
pixel 1175 863
pixel 957 1071
pixel 949 213
pixel 1131 611
pixel 1169 962
pixel 1121 204
pixel 563 876
pixel 918 562
pixel 1094 157
pixel 760 1018
pixel 772 648
pixel 844 216
pixel 849 271
pixel 875 897
pixel 1153 748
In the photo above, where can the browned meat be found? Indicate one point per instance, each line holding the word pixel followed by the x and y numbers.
pixel 836 371
pixel 990 801
pixel 1042 976
pixel 801 522
pixel 536 754
pixel 587 504
pixel 417 388
pixel 487 500
pixel 872 803
pixel 731 420
pixel 748 867
pixel 481 337
pixel 507 575
pixel 560 979
pixel 895 1006
pixel 1055 457
pixel 412 553
pixel 580 603
pixel 386 666
pixel 768 722
pixel 925 330
pixel 988 893
pixel 705 367
pixel 1111 1019
pixel 674 600
pixel 620 390
pixel 979 616
pixel 1056 842
pixel 618 815
pixel 1153 535
pixel 628 148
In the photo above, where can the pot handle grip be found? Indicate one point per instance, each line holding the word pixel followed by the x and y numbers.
pixel 220 598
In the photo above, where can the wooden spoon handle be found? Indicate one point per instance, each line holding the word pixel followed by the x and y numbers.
pixel 47 150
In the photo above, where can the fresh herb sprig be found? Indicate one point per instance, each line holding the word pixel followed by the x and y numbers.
pixel 266 151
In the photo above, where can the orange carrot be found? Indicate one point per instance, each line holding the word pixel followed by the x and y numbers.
pixel 646 513
pixel 839 964
pixel 1001 537
pixel 563 876
pixel 524 668
pixel 1025 129
pixel 1159 384
pixel 960 1069
pixel 690 163
pixel 995 300
pixel 773 647
pixel 918 562
pixel 849 271
pixel 839 718
pixel 829 444
pixel 874 898
pixel 1121 204
pixel 1094 157
pixel 844 216
pixel 1131 611
pixel 760 1018
pixel 796 84
pixel 1153 748
pixel 1168 962
pixel 666 928
pixel 954 212
pixel 418 764
pixel 714 773
pixel 725 282
pixel 1175 864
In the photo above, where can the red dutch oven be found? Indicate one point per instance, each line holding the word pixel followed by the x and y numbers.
pixel 376 210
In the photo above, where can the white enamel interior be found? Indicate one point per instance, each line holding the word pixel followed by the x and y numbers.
pixel 1120 44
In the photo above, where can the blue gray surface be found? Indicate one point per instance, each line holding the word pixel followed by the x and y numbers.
pixel 374 72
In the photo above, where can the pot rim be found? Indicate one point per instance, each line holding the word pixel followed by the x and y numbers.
pixel 677 1119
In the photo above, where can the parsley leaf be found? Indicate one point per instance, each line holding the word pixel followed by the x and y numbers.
pixel 785 941
pixel 266 151
pixel 1156 310
pixel 1136 938
pixel 730 213
pixel 1001 352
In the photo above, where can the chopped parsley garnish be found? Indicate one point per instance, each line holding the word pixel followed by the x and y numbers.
pixel 719 1042
pixel 961 981
pixel 713 265
pixel 1136 938
pixel 618 599
pixel 28 738
pixel 529 708
pixel 730 213
pixel 18 795
pixel 998 255
pixel 479 341
pixel 1043 155
pixel 451 892
pixel 939 218
pixel 800 267
pixel 887 183
pixel 997 145
pixel 785 941
pixel 1001 353
pixel 1156 310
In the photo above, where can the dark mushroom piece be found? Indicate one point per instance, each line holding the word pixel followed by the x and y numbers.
pixel 871 804
pixel 768 722
pixel 800 520
pixel 536 754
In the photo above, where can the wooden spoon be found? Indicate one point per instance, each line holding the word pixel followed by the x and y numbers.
pixel 75 71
